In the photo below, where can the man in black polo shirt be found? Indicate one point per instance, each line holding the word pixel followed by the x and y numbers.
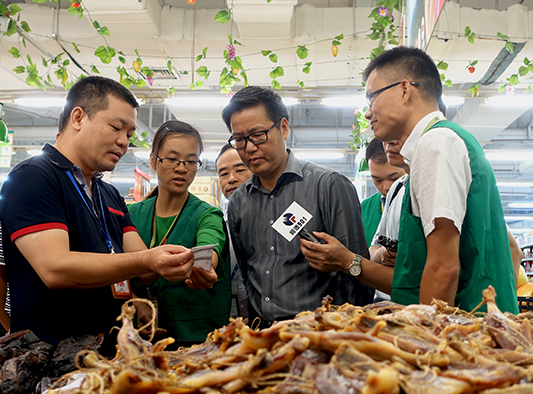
pixel 65 230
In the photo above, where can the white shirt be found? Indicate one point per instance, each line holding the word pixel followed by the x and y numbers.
pixel 440 174
pixel 389 225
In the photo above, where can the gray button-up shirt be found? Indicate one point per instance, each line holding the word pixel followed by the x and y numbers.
pixel 279 280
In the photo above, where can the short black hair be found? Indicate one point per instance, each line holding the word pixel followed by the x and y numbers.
pixel 253 96
pixel 90 94
pixel 412 64
pixel 375 152
pixel 222 150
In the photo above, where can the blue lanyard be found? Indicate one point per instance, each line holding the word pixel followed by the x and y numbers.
pixel 104 230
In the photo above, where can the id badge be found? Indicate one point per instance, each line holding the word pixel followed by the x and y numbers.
pixel 121 290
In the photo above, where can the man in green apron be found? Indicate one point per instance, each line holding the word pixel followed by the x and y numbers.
pixel 383 176
pixel 453 240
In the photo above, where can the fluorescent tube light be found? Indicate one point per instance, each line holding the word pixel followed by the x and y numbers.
pixel 509 154
pixel 41 101
pixel 117 179
pixel 514 218
pixel 514 184
pixel 452 100
pixel 323 154
pixel 34 152
pixel 209 155
pixel 142 154
pixel 197 101
pixel 521 205
pixel 516 100
pixel 288 101
pixel 352 101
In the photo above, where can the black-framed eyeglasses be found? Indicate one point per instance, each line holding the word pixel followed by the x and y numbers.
pixel 171 163
pixel 371 97
pixel 257 138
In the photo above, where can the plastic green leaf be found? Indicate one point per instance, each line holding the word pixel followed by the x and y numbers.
pixel 277 72
pixel 442 77
pixel 76 11
pixel 501 88
pixel 95 70
pixel 339 37
pixel 122 59
pixel 526 61
pixel 273 58
pixel 449 83
pixel 45 63
pixel 442 65
pixel 237 43
pixel 467 31
pixel 471 38
pixel 199 57
pixel 223 16
pixel 276 85
pixel 14 52
pixel 24 41
pixel 13 9
pixel 169 66
pixel 105 54
pixel 509 46
pixel 266 52
pixel 302 84
pixel 19 69
pixel 204 52
pixel 104 31
pixel 302 51
pixel 203 72
pixel 307 68
pixel 523 70
pixel 24 25
pixel 513 80
pixel 527 89
pixel 75 47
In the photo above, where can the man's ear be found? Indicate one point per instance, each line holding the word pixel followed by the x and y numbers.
pixel 76 118
pixel 284 127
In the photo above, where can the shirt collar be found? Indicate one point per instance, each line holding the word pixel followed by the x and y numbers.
pixel 291 167
pixel 410 144
pixel 59 160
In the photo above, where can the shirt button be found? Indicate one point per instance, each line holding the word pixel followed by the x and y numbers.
pixel 271 248
pixel 271 222
pixel 267 272
pixel 271 197
pixel 267 299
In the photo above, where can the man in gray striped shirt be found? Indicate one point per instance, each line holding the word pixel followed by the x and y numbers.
pixel 279 280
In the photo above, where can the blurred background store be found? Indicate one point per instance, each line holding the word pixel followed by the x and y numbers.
pixel 285 43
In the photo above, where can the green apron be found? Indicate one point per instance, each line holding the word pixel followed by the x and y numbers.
pixel 371 211
pixel 484 251
pixel 187 314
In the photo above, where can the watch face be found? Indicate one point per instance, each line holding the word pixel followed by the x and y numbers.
pixel 355 270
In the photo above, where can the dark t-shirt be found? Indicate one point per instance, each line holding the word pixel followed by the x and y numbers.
pixel 38 195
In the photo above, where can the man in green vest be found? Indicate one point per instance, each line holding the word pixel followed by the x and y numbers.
pixel 383 175
pixel 453 240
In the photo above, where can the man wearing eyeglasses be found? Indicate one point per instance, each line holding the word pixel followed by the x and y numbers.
pixel 453 238
pixel 280 281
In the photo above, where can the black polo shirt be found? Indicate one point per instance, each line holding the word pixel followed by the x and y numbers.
pixel 39 195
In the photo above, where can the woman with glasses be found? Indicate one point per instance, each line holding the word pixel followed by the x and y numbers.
pixel 188 309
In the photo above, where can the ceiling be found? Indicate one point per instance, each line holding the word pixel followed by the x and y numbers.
pixel 174 30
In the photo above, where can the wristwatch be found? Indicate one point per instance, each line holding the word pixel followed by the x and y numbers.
pixel 355 267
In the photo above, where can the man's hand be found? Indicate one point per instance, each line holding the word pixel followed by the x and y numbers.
pixel 329 257
pixel 172 262
pixel 201 279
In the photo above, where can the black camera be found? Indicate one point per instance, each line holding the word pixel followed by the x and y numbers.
pixel 391 244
